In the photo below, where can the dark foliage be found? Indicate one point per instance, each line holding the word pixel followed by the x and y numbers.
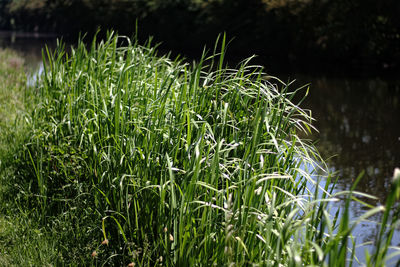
pixel 355 34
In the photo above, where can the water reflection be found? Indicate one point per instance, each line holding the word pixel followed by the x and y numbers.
pixel 359 122
pixel 28 45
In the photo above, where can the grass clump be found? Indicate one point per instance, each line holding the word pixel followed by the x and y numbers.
pixel 154 161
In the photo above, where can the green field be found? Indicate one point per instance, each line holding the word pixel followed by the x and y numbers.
pixel 122 156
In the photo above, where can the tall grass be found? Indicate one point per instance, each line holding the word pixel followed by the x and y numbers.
pixel 183 164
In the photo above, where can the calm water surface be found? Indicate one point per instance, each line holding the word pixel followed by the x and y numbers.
pixel 358 121
pixel 359 125
pixel 359 132
pixel 29 45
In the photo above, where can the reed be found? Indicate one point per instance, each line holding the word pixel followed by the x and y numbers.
pixel 184 164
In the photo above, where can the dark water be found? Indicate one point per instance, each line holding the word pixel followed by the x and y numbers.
pixel 358 121
pixel 29 46
pixel 359 132
pixel 359 128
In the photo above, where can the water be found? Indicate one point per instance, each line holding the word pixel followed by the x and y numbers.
pixel 358 121
pixel 359 124
pixel 29 46
pixel 359 131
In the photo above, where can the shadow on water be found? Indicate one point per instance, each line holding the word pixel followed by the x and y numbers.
pixel 358 121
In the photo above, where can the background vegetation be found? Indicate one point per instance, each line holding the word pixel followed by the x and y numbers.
pixel 349 34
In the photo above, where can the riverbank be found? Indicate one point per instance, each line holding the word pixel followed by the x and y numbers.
pixel 135 158
pixel 17 231
pixel 26 240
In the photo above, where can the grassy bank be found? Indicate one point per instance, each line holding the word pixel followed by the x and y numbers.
pixel 12 87
pixel 134 158
pixel 25 239
pixel 17 231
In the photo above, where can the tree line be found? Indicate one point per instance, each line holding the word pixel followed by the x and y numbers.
pixel 353 34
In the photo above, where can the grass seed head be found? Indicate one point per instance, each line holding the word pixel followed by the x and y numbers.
pixel 396 175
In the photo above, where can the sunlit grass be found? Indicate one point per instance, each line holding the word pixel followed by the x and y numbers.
pixel 180 164
pixel 12 85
